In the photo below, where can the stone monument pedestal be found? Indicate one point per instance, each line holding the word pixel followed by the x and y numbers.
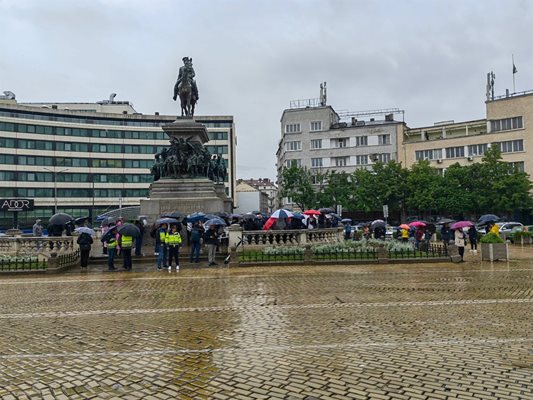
pixel 186 194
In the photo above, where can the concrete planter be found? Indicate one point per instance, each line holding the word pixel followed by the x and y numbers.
pixel 494 251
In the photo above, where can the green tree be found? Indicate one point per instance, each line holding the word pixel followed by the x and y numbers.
pixel 390 184
pixel 337 190
pixel 297 184
pixel 422 183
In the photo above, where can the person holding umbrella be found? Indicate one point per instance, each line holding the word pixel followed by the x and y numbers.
pixel 125 241
pixel 196 237
pixel 160 239
pixel 459 240
pixel 211 240
pixel 472 238
pixel 110 241
pixel 85 241
pixel 173 242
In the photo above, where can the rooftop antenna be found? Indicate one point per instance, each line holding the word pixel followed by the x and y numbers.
pixel 490 85
pixel 323 94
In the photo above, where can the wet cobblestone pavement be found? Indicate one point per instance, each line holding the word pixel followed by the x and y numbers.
pixel 422 331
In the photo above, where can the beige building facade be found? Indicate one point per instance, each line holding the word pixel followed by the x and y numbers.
pixel 508 124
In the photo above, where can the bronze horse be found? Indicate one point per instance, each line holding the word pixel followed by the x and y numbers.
pixel 186 89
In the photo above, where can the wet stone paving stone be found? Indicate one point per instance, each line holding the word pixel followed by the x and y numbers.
pixel 420 331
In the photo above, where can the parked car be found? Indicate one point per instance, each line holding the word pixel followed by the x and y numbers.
pixel 508 227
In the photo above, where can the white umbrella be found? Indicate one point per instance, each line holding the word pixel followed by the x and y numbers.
pixel 84 229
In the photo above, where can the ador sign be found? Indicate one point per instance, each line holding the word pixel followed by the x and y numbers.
pixel 16 204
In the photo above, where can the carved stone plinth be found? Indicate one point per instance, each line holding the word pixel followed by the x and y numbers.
pixel 187 128
pixel 185 195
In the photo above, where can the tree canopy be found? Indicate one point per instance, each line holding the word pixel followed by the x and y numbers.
pixel 490 186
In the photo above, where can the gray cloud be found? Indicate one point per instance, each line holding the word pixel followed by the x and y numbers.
pixel 252 57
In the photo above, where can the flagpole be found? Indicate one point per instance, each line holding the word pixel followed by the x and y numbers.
pixel 514 86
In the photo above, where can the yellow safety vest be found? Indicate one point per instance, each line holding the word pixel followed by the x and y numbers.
pixel 162 236
pixel 111 243
pixel 173 239
pixel 127 242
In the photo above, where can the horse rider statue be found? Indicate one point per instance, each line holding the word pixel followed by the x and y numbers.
pixel 186 88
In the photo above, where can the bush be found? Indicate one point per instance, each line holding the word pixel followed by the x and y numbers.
pixel 491 238
pixel 516 236
pixel 283 251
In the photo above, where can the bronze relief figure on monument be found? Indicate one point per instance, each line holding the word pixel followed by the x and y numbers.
pixel 187 177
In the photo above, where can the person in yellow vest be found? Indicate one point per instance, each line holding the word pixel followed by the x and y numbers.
pixel 126 243
pixel 161 246
pixel 111 245
pixel 495 229
pixel 173 242
pixel 405 235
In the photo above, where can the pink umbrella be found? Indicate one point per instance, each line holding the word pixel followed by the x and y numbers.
pixel 417 224
pixel 462 224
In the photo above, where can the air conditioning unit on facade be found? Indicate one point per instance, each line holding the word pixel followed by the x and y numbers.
pixel 439 160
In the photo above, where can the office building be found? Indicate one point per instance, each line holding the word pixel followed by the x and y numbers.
pixel 88 158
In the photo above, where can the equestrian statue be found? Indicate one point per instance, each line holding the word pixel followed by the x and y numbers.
pixel 186 88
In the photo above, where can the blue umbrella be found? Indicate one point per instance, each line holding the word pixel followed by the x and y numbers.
pixel 215 221
pixel 167 221
pixel 299 216
pixel 85 229
pixel 197 216
pixel 281 213
pixel 207 217
pixel 485 219
pixel 346 220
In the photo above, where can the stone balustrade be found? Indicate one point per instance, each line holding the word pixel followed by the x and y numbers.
pixel 33 246
pixel 299 237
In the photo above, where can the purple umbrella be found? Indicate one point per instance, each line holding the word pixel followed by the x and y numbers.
pixel 461 224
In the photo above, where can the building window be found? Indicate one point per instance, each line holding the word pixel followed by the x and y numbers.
pixel 293 146
pixel 477 149
pixel 511 146
pixel 293 163
pixel 383 139
pixel 340 161
pixel 383 158
pixel 316 143
pixel 455 152
pixel 316 162
pixel 361 140
pixel 361 160
pixel 517 166
pixel 340 142
pixel 293 128
pixel 433 154
pixel 506 124
pixel 316 126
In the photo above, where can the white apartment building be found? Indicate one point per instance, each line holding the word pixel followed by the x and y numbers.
pixel 320 139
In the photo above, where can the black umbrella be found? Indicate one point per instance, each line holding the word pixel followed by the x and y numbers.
pixel 129 230
pixel 487 218
pixel 326 210
pixel 222 214
pixel 443 221
pixel 173 214
pixel 167 221
pixel 59 219
pixel 249 216
pixel 378 222
pixel 109 233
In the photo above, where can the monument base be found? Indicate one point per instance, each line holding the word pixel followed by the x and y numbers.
pixel 186 195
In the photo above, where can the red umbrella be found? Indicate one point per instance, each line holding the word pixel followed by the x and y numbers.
pixel 417 224
pixel 312 212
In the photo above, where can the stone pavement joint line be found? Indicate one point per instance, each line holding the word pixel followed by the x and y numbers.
pixel 217 309
pixel 271 348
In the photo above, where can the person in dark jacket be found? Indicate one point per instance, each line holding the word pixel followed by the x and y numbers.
pixel 472 238
pixel 445 234
pixel 85 241
pixel 139 239
pixel 211 240
pixel 197 232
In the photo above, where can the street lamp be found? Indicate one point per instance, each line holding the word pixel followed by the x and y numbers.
pixel 55 172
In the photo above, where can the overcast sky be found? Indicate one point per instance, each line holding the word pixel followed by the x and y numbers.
pixel 252 58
